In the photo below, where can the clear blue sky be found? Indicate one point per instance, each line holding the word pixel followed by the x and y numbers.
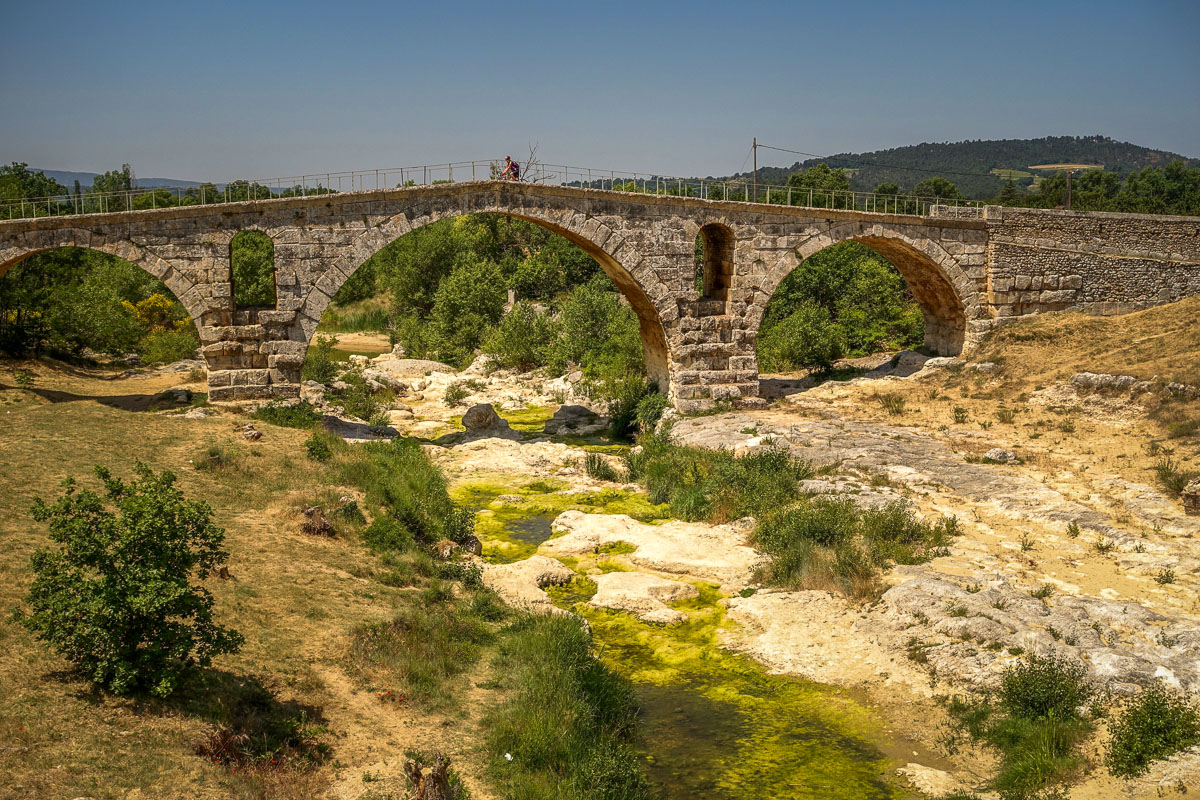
pixel 217 90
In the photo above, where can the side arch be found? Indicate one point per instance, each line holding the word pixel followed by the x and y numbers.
pixel 942 289
pixel 184 290
pixel 615 254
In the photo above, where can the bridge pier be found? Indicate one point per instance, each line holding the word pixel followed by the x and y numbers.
pixel 254 357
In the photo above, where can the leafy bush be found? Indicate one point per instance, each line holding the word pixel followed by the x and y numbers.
pixel 1157 724
pixel 567 721
pixel 806 338
pixel 359 400
pixel 252 261
pixel 523 339
pixel 317 448
pixel 319 364
pixel 410 332
pixel 456 393
pixel 116 598
pixel 288 415
pixel 597 332
pixel 467 303
pixel 386 533
pixel 1035 723
pixel 1048 686
pixel 622 396
pixel 831 543
pixel 650 410
pixel 165 347
pixel 844 300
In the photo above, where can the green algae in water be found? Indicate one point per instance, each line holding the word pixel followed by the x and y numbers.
pixel 578 590
pixel 716 725
pixel 513 531
pixel 531 419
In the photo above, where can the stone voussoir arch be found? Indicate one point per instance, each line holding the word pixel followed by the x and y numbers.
pixel 943 288
pixel 618 255
pixel 141 256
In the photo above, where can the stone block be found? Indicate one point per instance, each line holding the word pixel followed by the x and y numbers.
pixel 1059 297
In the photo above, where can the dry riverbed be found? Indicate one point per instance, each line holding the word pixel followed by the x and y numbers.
pixel 1062 550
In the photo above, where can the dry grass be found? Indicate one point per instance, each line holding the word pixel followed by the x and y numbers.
pixel 1162 342
pixel 295 597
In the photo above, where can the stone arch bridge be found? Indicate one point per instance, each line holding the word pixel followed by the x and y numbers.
pixel 969 269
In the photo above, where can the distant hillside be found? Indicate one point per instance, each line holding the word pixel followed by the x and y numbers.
pixel 979 168
pixel 67 179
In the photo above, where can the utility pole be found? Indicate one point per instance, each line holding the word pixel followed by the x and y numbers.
pixel 1070 172
pixel 755 149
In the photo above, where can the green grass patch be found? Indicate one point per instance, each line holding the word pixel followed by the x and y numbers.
pixel 285 415
pixel 531 419
pixel 416 655
pixel 715 485
pixel 566 729
pixel 824 543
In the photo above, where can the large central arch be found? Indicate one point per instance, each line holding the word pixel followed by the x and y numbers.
pixel 612 251
pixel 941 288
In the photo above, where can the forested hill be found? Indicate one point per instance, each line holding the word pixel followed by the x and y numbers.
pixel 973 166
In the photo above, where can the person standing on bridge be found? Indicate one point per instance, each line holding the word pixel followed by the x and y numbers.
pixel 512 171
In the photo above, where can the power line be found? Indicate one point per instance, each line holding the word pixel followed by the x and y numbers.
pixel 885 166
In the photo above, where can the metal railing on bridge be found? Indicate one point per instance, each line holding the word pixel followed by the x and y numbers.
pixel 90 202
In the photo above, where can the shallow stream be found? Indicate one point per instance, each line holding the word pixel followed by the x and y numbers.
pixel 715 724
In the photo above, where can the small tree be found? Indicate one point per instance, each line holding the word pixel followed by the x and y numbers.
pixel 116 599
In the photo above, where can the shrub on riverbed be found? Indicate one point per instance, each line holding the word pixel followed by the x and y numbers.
pixel 1157 724
pixel 1035 722
pixel 716 485
pixel 830 543
pixel 567 722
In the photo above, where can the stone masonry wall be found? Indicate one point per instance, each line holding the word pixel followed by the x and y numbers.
pixel 1100 263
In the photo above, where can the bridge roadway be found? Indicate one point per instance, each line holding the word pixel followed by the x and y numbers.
pixel 969 269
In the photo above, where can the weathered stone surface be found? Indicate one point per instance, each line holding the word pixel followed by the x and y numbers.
pixel 645 596
pixel 521 583
pixel 1191 498
pixel 1000 455
pixel 967 268
pixel 482 417
pixel 569 416
pixel 717 553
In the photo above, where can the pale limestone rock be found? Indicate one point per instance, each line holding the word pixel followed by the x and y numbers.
pixel 645 596
pixel 1191 498
pixel 521 583
pixel 482 417
pixel 714 553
